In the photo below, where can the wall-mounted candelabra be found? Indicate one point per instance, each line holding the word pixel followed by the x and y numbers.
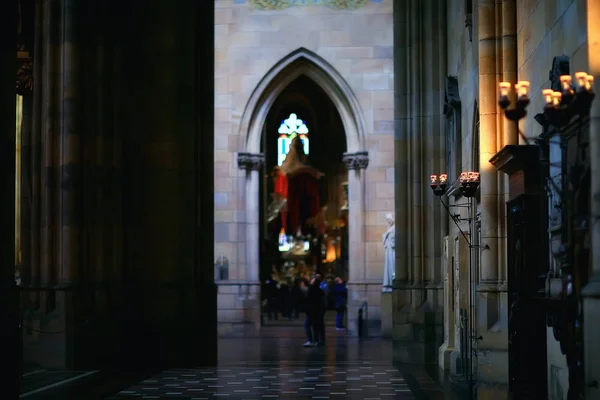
pixel 565 113
pixel 468 184
pixel 561 106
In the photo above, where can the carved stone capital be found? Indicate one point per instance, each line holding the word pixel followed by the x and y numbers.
pixel 251 161
pixel 358 160
pixel 25 77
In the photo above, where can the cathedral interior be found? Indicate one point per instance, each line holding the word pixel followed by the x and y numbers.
pixel 180 177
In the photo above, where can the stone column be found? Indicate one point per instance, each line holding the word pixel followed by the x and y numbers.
pixel 357 288
pixel 591 293
pixel 419 65
pixel 10 346
pixel 69 147
pixel 168 183
pixel 253 165
pixel 490 319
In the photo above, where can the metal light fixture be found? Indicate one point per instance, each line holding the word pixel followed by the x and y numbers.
pixel 520 109
pixel 560 106
pixel 568 98
pixel 469 183
pixel 439 184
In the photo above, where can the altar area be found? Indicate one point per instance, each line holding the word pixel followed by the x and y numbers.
pixel 305 212
pixel 300 202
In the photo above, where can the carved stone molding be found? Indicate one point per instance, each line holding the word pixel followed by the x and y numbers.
pixel 560 66
pixel 283 4
pixel 25 77
pixel 251 161
pixel 358 160
pixel 452 95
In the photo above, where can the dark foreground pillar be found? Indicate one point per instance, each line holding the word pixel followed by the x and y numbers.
pixel 10 346
pixel 168 153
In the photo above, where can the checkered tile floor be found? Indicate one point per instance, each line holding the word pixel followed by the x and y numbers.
pixel 364 381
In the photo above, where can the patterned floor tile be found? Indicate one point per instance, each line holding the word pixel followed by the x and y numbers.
pixel 360 381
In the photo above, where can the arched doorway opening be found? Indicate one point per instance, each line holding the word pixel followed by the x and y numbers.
pixel 300 238
pixel 304 65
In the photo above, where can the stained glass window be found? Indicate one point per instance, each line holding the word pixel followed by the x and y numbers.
pixel 288 130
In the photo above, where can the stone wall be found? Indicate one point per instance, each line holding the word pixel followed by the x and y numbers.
pixel 250 42
pixel 542 30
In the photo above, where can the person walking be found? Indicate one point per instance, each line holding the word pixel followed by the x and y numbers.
pixel 319 325
pixel 341 295
pixel 315 309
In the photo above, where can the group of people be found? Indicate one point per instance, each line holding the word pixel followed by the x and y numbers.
pixel 313 298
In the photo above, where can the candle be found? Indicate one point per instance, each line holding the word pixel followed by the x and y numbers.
pixel 475 176
pixel 522 89
pixel 463 177
pixel 581 79
pixel 556 98
pixel 443 179
pixel 504 89
pixel 589 83
pixel 565 81
pixel 548 96
pixel 433 179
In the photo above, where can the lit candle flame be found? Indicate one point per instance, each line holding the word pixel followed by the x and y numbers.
pixel 504 88
pixel 565 81
pixel 443 178
pixel 548 96
pixel 589 83
pixel 433 178
pixel 581 79
pixel 556 98
pixel 522 89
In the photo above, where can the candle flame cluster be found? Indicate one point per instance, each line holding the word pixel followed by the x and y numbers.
pixel 435 180
pixel 571 99
pixel 585 83
pixel 469 183
pixel 468 177
pixel 521 87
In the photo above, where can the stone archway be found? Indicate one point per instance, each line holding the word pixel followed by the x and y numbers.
pixel 297 63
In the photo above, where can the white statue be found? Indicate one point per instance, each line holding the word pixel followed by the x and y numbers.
pixel 389 246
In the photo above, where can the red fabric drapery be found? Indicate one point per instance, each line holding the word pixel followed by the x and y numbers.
pixel 281 189
pixel 303 200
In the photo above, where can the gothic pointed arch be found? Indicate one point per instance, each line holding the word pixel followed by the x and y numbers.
pixel 295 64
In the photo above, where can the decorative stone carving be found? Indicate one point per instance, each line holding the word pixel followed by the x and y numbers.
pixel 24 76
pixel 560 66
pixel 389 248
pixel 251 161
pixel 358 160
pixel 283 4
pixel 452 95
pixel 453 112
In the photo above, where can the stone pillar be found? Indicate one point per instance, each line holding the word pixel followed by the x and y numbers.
pixel 591 293
pixel 491 323
pixel 168 154
pixel 253 165
pixel 52 182
pixel 250 300
pixel 356 163
pixel 419 65
pixel 9 304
